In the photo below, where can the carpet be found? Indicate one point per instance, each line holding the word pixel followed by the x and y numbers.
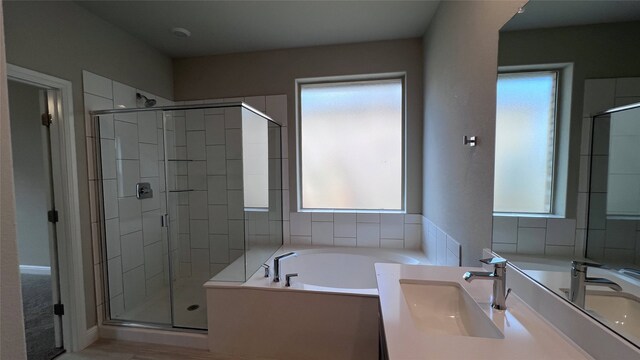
pixel 37 304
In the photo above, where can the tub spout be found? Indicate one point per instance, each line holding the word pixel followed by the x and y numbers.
pixel 276 264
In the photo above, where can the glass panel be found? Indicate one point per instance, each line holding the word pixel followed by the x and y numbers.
pixel 351 145
pixel 263 189
pixel 525 127
pixel 623 185
pixel 131 157
pixel 614 191
pixel 193 215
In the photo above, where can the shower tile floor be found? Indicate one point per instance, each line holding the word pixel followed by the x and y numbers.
pixel 156 309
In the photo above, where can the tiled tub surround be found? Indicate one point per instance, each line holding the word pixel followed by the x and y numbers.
pixel 439 247
pixel 260 318
pixel 393 231
pixel 568 237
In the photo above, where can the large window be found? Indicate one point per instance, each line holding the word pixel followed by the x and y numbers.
pixel 351 144
pixel 525 142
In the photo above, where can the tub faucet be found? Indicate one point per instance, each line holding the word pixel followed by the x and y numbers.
pixel 579 281
pixel 276 265
pixel 499 278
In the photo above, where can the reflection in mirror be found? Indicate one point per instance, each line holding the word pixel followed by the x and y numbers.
pixel 614 193
pixel 567 182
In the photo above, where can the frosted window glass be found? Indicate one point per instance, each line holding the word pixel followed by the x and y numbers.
pixel 351 145
pixel 525 130
pixel 255 160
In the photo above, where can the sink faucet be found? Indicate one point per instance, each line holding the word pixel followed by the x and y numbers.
pixel 499 278
pixel 579 281
pixel 276 265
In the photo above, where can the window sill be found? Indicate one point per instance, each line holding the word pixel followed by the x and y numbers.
pixel 352 211
pixel 528 215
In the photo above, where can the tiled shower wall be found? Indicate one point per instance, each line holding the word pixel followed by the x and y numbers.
pixel 132 151
pixel 567 237
pixel 209 165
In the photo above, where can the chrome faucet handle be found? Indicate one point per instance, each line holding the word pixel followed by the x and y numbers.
pixel 496 261
pixel 288 277
pixel 582 265
pixel 266 270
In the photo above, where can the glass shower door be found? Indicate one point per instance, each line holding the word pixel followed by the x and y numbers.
pixel 132 179
pixel 189 195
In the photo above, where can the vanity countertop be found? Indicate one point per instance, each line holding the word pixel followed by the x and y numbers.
pixel 526 334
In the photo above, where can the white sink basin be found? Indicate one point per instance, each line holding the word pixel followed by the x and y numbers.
pixel 620 310
pixel 445 308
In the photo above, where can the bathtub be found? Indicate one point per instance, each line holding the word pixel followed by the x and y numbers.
pixel 329 312
pixel 334 270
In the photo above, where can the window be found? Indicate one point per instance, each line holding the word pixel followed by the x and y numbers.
pixel 351 138
pixel 526 142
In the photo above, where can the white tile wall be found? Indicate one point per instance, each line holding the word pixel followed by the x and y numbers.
pixel 322 233
pixel 534 235
pixel 344 225
pixel 439 247
pixel 132 250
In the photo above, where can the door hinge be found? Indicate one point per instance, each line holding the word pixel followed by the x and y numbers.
pixel 58 309
pixel 52 215
pixel 47 119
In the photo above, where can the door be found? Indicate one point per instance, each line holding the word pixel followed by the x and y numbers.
pixel 36 217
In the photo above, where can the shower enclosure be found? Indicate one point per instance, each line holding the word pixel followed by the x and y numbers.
pixel 188 193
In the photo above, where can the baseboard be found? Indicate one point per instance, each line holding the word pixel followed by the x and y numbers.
pixel 35 270
pixel 90 336
pixel 153 336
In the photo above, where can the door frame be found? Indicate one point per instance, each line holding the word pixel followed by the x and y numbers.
pixel 76 336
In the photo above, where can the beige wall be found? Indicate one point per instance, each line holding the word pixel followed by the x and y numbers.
pixel 12 343
pixel 460 47
pixel 29 174
pixel 275 72
pixel 62 39
pixel 597 51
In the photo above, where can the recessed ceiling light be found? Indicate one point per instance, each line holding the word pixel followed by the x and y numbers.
pixel 180 32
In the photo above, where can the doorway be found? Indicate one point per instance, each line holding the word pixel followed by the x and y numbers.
pixel 36 218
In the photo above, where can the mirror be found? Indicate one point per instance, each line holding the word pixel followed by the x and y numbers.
pixel 567 171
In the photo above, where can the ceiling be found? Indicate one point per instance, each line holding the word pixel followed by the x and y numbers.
pixel 220 27
pixel 547 14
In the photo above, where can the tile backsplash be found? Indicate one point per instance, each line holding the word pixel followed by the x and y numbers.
pixel 397 231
